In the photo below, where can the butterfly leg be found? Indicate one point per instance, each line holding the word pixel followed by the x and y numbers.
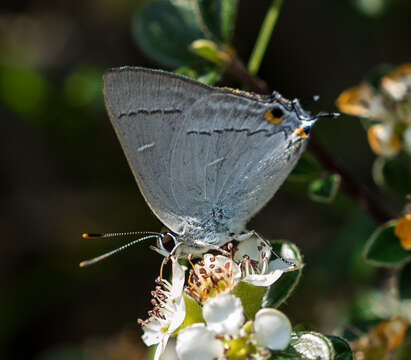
pixel 160 248
pixel 245 236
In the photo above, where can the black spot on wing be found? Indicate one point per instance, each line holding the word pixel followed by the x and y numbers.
pixel 222 131
pixel 150 112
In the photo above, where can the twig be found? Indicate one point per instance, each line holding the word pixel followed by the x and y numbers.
pixel 253 83
pixel 353 188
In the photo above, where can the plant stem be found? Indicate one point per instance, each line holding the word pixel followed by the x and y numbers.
pixel 253 83
pixel 264 37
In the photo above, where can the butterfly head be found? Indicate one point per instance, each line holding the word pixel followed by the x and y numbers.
pixel 292 116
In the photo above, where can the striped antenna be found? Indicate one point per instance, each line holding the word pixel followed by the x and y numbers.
pixel 116 234
pixel 121 248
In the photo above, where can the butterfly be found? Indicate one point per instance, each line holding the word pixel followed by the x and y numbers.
pixel 206 159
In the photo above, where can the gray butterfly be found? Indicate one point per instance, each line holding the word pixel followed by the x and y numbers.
pixel 206 159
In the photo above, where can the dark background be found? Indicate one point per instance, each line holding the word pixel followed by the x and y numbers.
pixel 63 171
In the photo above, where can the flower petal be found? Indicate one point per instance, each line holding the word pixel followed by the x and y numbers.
pixel 383 140
pixel 179 313
pixel 279 264
pixel 177 279
pixel 161 347
pixel 263 279
pixel 273 329
pixel 196 342
pixel 249 248
pixel 170 350
pixel 223 314
pixel 152 332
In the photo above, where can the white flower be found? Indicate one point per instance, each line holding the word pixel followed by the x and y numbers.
pixel 254 254
pixel 168 312
pixel 272 329
pixel 223 314
pixel 225 335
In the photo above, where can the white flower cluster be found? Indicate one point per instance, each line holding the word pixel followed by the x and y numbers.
pixel 389 106
pixel 207 314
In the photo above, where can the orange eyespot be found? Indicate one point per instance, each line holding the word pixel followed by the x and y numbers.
pixel 301 131
pixel 275 115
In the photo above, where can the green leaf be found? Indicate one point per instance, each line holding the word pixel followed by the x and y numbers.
pixel 194 312
pixel 217 18
pixel 325 189
pixel 394 174
pixel 278 292
pixel 341 348
pixel 383 248
pixel 404 282
pixel 307 345
pixel 250 296
pixel 207 49
pixel 207 77
pixel 164 31
pixel 210 77
pixel 312 345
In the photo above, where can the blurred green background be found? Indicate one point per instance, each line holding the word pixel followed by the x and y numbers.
pixel 63 171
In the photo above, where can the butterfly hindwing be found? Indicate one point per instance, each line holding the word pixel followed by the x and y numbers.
pixel 196 149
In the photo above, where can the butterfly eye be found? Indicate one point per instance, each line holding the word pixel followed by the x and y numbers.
pixel 274 115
